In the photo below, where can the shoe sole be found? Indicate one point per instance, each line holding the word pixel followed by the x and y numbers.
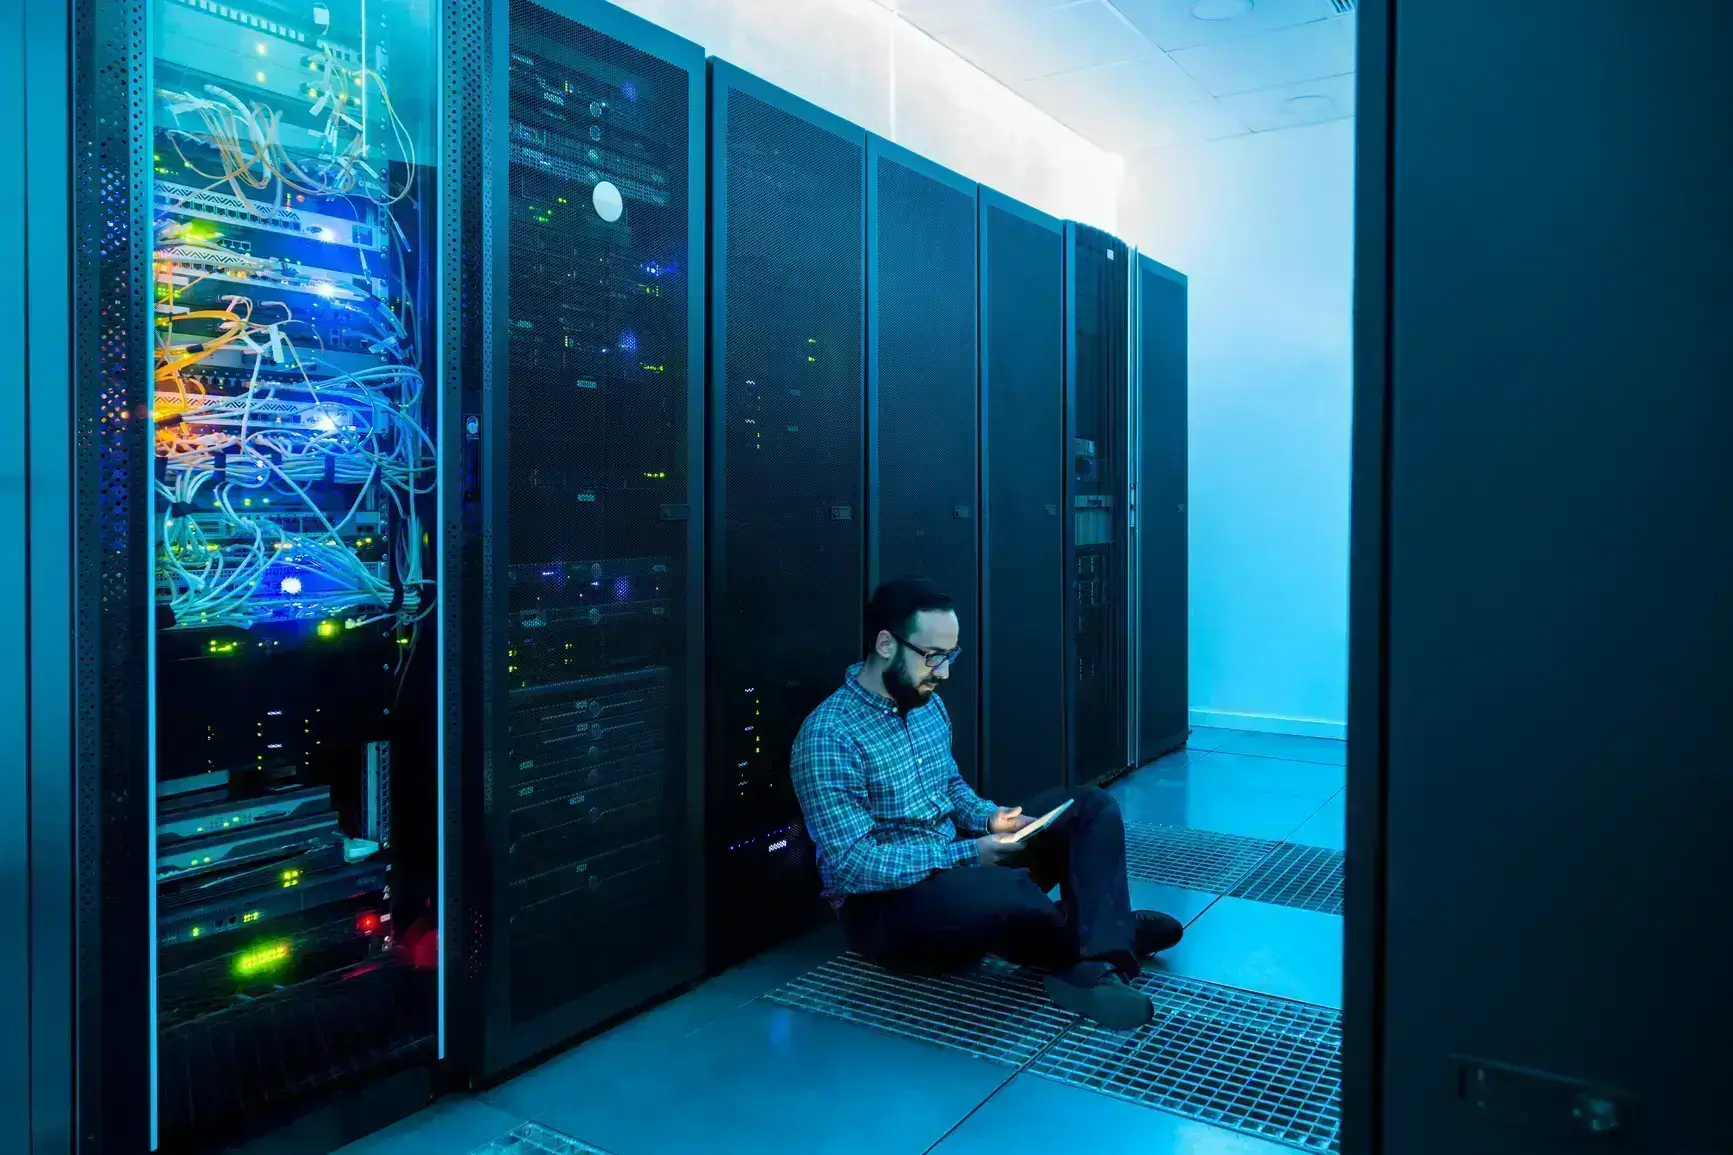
pixel 1117 1009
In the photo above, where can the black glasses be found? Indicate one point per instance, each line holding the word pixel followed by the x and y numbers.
pixel 935 658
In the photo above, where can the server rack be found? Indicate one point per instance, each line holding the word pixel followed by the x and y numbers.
pixel 922 409
pixel 1097 390
pixel 787 472
pixel 1023 488
pixel 590 467
pixel 1159 554
pixel 253 558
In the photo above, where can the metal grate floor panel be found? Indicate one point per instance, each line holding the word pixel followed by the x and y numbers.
pixel 535 1139
pixel 994 1011
pixel 1307 877
pixel 1263 1066
pixel 1192 859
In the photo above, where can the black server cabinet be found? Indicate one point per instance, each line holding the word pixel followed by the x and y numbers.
pixel 1023 466
pixel 787 473
pixel 1097 397
pixel 1160 381
pixel 251 369
pixel 922 442
pixel 591 467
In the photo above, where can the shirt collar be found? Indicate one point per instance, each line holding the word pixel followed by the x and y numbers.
pixel 877 701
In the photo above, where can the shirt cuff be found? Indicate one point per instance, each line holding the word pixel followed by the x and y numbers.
pixel 965 853
pixel 979 818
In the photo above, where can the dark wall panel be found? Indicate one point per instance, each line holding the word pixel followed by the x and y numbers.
pixel 788 473
pixel 1023 574
pixel 597 561
pixel 921 322
pixel 1161 540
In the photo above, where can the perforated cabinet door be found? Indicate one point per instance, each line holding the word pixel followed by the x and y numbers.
pixel 921 401
pixel 1162 517
pixel 787 478
pixel 1098 378
pixel 596 563
pixel 1023 587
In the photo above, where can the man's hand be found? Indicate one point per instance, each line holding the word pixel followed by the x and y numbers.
pixel 1008 821
pixel 995 850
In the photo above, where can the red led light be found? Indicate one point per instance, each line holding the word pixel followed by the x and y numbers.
pixel 367 923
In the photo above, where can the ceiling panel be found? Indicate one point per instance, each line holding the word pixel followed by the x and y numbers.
pixel 1311 102
pixel 1053 40
pixel 1272 59
pixel 1153 128
pixel 1112 90
pixel 1172 24
pixel 935 16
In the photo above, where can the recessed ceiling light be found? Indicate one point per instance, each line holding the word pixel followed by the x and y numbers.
pixel 1308 102
pixel 1220 9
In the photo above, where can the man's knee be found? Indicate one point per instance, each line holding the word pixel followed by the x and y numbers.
pixel 1094 802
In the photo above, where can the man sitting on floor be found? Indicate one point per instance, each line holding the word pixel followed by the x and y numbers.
pixel 918 864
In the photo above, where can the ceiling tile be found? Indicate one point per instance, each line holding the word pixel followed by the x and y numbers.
pixel 1271 59
pixel 1310 102
pixel 1079 35
pixel 1112 90
pixel 1160 127
pixel 933 16
pixel 1171 24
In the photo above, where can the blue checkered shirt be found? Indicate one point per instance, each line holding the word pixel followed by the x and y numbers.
pixel 881 793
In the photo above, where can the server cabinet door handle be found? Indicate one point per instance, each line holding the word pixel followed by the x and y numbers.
pixel 471 457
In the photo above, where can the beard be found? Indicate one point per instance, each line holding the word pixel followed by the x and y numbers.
pixel 909 694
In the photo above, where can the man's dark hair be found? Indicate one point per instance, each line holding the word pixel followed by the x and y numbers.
pixel 894 604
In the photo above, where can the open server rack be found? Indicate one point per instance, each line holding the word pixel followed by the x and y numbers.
pixel 255 561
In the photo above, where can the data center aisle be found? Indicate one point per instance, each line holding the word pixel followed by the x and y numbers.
pixel 807 1049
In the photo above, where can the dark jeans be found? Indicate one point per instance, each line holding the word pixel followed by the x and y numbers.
pixel 951 919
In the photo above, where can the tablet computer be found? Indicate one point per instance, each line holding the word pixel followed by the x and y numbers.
pixel 1039 824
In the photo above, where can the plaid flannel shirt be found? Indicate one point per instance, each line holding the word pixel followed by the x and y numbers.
pixel 881 793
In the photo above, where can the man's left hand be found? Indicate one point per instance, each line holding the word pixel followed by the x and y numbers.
pixel 1008 821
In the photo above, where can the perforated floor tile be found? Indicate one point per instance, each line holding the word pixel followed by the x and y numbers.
pixel 1259 1065
pixel 535 1139
pixel 1192 859
pixel 994 1011
pixel 1308 877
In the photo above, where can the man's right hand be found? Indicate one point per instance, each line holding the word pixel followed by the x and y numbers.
pixel 997 850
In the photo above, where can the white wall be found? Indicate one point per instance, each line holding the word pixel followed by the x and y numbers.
pixel 869 66
pixel 1263 226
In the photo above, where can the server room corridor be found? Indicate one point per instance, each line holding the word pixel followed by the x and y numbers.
pixel 1239 836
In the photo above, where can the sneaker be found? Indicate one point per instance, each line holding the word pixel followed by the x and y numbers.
pixel 1096 992
pixel 1154 932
